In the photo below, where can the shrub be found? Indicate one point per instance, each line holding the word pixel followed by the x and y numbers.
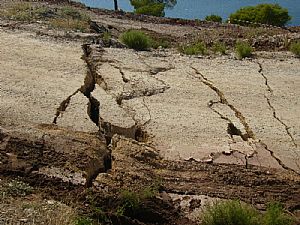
pixel 243 50
pixel 214 18
pixel 295 48
pixel 194 49
pixel 136 40
pixel 275 215
pixel 272 14
pixel 230 213
pixel 219 47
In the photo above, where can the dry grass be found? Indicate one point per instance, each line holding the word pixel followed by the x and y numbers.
pixel 21 207
pixel 70 24
pixel 66 18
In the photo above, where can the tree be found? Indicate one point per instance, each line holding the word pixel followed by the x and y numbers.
pixel 116 5
pixel 214 18
pixel 152 7
pixel 272 14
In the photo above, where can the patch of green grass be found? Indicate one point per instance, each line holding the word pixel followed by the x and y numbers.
pixel 130 200
pixel 149 192
pixel 219 47
pixel 106 37
pixel 243 50
pixel 230 213
pixel 275 215
pixel 198 48
pixel 137 40
pixel 295 48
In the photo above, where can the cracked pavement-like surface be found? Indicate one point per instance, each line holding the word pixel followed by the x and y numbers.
pixel 214 110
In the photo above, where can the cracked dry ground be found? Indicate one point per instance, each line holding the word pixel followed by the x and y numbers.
pixel 75 116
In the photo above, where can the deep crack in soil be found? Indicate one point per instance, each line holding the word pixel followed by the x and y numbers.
pixel 272 108
pixel 224 101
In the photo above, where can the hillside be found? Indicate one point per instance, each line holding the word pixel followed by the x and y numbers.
pixel 85 121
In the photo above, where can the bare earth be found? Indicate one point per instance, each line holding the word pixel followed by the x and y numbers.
pixel 77 115
pixel 171 96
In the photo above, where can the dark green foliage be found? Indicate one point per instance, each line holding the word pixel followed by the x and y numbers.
pixel 275 215
pixel 198 48
pixel 214 18
pixel 272 14
pixel 243 49
pixel 136 40
pixel 148 7
pixel 153 9
pixel 295 48
pixel 83 221
pixel 230 213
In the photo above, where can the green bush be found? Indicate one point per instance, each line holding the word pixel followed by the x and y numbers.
pixel 295 48
pixel 275 215
pixel 237 213
pixel 243 50
pixel 136 40
pixel 272 14
pixel 148 7
pixel 230 213
pixel 219 47
pixel 194 49
pixel 214 18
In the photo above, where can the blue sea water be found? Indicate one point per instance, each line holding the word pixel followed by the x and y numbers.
pixel 198 9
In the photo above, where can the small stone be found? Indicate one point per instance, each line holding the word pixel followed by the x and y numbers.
pixel 50 202
pixel 227 152
pixel 210 160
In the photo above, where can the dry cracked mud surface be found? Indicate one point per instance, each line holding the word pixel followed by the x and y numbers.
pixel 76 115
